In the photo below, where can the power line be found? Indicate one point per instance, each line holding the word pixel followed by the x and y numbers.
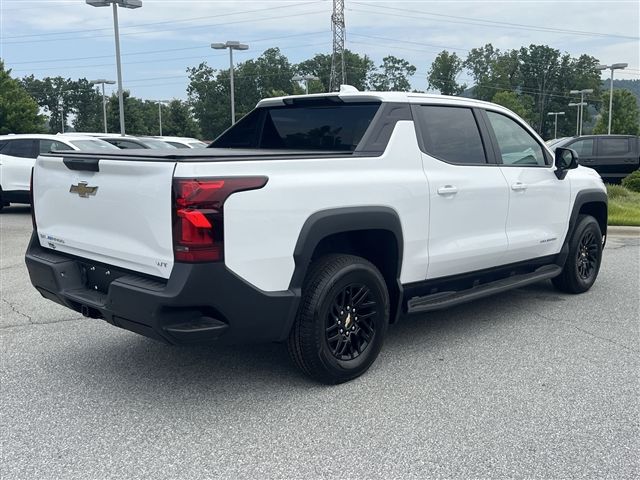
pixel 192 19
pixel 190 27
pixel 494 23
pixel 166 50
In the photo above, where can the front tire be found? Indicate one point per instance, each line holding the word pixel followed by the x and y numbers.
pixel 585 255
pixel 342 320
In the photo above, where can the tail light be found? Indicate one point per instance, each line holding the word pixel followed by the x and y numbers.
pixel 198 220
pixel 33 206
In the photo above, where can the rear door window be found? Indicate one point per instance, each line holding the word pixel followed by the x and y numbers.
pixel 48 146
pixel 584 147
pixel 614 146
pixel 451 134
pixel 20 148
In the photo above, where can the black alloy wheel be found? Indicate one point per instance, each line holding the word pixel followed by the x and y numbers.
pixel 351 322
pixel 342 319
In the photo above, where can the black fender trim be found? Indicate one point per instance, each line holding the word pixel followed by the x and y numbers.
pixel 582 198
pixel 341 220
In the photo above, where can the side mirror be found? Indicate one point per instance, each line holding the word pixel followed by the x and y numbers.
pixel 566 159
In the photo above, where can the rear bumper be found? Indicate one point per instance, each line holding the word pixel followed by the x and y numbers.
pixel 198 303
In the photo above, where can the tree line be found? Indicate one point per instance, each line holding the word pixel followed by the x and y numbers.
pixel 532 81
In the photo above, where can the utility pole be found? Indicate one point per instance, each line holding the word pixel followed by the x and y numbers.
pixel 577 105
pixel 102 81
pixel 231 45
pixel 338 71
pixel 555 127
pixel 160 103
pixel 612 67
pixel 305 79
pixel 582 104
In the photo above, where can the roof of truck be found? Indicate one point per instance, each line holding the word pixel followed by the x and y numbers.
pixel 351 94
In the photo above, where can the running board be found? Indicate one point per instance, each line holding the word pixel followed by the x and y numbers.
pixel 440 300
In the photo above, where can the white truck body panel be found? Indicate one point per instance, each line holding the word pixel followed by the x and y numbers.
pixel 127 223
pixel 262 226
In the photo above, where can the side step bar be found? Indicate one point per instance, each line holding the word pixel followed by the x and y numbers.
pixel 440 300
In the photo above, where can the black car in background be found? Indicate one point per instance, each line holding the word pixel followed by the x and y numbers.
pixel 612 156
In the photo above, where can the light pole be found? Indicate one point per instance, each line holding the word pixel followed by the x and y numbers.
pixel 555 128
pixel 103 82
pixel 612 67
pixel 160 103
pixel 577 105
pixel 231 45
pixel 305 78
pixel 582 103
pixel 125 4
pixel 61 110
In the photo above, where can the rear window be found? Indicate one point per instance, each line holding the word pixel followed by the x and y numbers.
pixel 452 134
pixel 20 148
pixel 325 127
pixel 157 144
pixel 614 146
pixel 93 145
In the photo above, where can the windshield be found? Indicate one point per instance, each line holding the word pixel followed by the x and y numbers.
pixel 325 126
pixel 156 144
pixel 93 145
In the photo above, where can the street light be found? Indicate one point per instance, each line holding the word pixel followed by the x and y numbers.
pixel 582 104
pixel 160 103
pixel 578 105
pixel 555 128
pixel 231 45
pixel 305 78
pixel 612 67
pixel 61 110
pixel 125 4
pixel 103 82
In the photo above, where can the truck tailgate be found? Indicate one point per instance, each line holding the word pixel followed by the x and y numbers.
pixel 119 215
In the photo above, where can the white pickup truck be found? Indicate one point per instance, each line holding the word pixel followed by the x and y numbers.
pixel 316 220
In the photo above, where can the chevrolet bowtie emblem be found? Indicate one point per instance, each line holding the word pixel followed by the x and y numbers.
pixel 83 189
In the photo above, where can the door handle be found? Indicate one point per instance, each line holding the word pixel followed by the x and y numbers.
pixel 447 190
pixel 518 186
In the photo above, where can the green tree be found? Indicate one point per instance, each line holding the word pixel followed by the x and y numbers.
pixel 393 75
pixel 63 97
pixel 522 105
pixel 358 68
pixel 626 114
pixel 141 116
pixel 86 103
pixel 443 73
pixel 18 110
pixel 178 121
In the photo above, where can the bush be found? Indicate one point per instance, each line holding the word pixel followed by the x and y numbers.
pixel 632 181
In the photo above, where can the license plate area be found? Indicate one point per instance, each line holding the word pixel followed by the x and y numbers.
pixel 97 277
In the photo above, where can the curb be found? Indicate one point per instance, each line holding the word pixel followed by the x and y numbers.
pixel 614 231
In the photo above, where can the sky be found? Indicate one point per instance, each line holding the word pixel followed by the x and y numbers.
pixel 160 40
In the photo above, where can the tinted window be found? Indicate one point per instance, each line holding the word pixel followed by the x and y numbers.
pixel 125 144
pixel 614 146
pixel 517 146
pixel 452 134
pixel 583 148
pixel 93 144
pixel 48 146
pixel 176 144
pixel 323 127
pixel 20 148
pixel 2 144
pixel 157 144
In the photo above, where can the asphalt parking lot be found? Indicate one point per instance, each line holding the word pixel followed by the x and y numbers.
pixel 530 384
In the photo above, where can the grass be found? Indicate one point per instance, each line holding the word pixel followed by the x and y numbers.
pixel 624 206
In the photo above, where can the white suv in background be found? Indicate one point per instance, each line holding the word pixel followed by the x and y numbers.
pixel 183 142
pixel 18 154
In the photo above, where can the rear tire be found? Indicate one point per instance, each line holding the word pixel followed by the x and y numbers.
pixel 585 255
pixel 342 319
